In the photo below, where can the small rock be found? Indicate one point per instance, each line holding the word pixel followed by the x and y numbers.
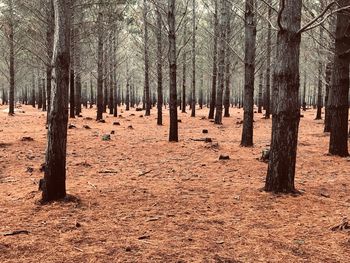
pixel 87 127
pixel 30 170
pixel 130 127
pixel 224 157
pixel 101 121
pixel 265 156
pixel 132 114
pixel 106 137
pixel 205 131
pixel 116 123
pixel 27 139
pixel 80 116
pixel 128 249
pixel 112 132
pixel 71 126
pixel 141 116
pixel 179 120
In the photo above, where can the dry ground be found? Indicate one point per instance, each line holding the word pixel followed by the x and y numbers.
pixel 143 199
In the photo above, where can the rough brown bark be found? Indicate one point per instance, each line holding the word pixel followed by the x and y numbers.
pixel 249 61
pixel 286 117
pixel 173 134
pixel 54 187
pixel 215 66
pixel 159 68
pixel 100 63
pixel 338 103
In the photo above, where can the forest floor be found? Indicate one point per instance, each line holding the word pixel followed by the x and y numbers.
pixel 143 199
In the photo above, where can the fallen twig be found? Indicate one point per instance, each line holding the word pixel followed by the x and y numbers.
pixel 16 232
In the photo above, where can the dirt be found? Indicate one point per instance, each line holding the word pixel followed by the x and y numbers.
pixel 139 198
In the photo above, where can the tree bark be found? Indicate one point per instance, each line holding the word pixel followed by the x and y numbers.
pixel 159 68
pixel 267 101
pixel 12 59
pixel 173 134
pixel 250 46
pixel 146 46
pixel 100 63
pixel 54 187
pixel 194 99
pixel 286 117
pixel 221 61
pixel 215 66
pixel 338 103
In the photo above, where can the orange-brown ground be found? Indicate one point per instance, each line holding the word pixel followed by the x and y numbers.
pixel 143 199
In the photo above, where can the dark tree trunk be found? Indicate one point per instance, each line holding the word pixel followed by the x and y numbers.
pixel 71 92
pixel 44 94
pixel 54 187
pixel 91 93
pixel 159 68
pixel 173 134
pixel 338 101
pixel 260 99
pixel 286 117
pixel 184 69
pixel 100 63
pixel 228 67
pixel 267 102
pixel 248 106
pixel 304 92
pixel 221 61
pixel 327 123
pixel 147 88
pixel 194 99
pixel 49 42
pixel 215 66
pixel 12 60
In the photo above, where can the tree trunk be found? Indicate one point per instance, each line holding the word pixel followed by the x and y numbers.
pixel 260 99
pixel 146 46
pixel 12 59
pixel 221 61
pixel 248 106
pixel 267 102
pixel 184 73
pixel 194 99
pixel 100 63
pixel 54 187
pixel 173 134
pixel 327 123
pixel 286 117
pixel 44 94
pixel 215 66
pixel 159 68
pixel 49 42
pixel 338 103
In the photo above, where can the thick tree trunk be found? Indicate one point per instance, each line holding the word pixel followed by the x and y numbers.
pixel 54 186
pixel 228 66
pixel 215 66
pixel 248 106
pixel 173 133
pixel 338 103
pixel 286 117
